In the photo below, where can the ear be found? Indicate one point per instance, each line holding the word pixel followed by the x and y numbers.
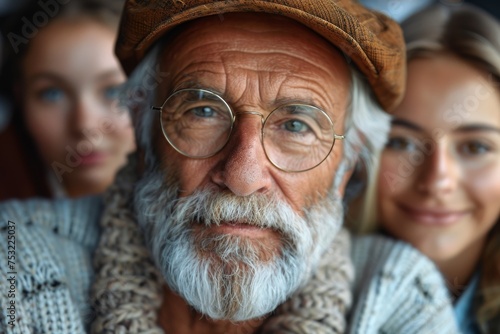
pixel 345 179
pixel 342 177
pixel 354 181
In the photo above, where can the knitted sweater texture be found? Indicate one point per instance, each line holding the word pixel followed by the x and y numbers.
pixel 396 290
pixel 52 268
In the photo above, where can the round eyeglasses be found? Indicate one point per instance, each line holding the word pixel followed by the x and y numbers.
pixel 198 123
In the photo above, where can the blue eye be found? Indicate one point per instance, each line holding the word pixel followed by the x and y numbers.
pixel 401 144
pixel 296 126
pixel 51 94
pixel 203 111
pixel 111 93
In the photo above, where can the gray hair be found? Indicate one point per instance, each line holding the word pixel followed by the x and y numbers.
pixel 366 124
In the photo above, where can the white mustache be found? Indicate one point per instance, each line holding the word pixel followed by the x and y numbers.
pixel 212 207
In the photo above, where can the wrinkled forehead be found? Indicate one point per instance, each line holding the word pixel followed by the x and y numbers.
pixel 276 44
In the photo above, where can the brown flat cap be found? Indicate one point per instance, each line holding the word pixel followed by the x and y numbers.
pixel 372 40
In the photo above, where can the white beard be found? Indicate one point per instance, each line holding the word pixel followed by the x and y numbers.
pixel 225 276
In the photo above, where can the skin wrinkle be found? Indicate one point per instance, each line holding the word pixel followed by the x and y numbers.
pixel 207 70
pixel 313 88
pixel 211 43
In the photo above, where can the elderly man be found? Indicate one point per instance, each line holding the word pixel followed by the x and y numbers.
pixel 249 116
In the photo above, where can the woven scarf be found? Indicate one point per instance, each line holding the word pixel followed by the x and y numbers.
pixel 127 292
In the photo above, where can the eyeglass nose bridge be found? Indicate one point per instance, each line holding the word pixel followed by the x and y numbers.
pixel 256 113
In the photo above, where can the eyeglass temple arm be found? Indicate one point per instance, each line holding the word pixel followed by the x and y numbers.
pixel 339 137
pixel 156 108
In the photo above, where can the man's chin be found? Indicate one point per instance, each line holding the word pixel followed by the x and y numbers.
pixel 228 276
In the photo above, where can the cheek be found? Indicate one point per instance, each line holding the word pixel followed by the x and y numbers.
pixel 191 175
pixel 320 182
pixel 120 131
pixel 302 190
pixel 483 188
pixel 307 188
pixel 188 174
pixel 48 132
pixel 391 186
pixel 122 120
pixel 391 179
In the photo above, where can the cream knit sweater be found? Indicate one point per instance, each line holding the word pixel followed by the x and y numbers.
pixel 396 289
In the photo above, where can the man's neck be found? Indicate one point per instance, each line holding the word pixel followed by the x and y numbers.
pixel 176 316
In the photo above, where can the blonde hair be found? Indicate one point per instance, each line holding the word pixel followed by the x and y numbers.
pixel 474 36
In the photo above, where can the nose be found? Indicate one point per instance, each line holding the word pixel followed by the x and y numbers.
pixel 439 173
pixel 244 168
pixel 85 115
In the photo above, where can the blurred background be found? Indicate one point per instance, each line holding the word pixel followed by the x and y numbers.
pixel 401 9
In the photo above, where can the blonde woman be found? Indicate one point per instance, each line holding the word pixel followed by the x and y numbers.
pixel 438 183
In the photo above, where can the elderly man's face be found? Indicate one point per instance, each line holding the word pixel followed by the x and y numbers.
pixel 255 62
pixel 233 234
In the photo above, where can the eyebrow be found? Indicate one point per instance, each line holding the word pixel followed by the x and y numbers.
pixel 56 77
pixel 293 100
pixel 478 127
pixel 474 127
pixel 278 102
pixel 406 124
pixel 45 76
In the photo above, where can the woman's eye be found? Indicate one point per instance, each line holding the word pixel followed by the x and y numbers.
pixel 296 126
pixel 51 94
pixel 474 148
pixel 401 144
pixel 111 93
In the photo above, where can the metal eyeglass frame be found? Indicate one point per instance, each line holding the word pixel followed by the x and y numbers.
pixel 233 120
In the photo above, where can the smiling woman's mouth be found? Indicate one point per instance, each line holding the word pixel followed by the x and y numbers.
pixel 426 216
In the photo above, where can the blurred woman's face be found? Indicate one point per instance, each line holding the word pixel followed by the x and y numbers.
pixel 70 77
pixel 439 183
